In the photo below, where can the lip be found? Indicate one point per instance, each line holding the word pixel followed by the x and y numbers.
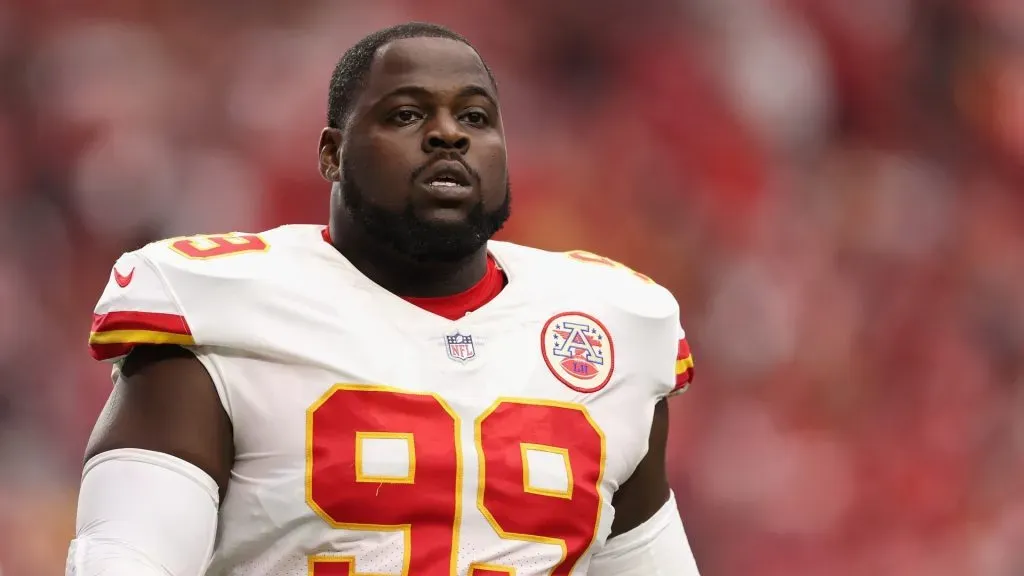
pixel 447 168
pixel 459 192
pixel 448 195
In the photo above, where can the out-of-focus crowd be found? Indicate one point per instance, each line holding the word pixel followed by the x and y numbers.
pixel 834 190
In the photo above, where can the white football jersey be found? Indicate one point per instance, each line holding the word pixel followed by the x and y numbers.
pixel 375 438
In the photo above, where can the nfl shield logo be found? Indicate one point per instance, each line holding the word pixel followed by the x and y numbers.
pixel 460 347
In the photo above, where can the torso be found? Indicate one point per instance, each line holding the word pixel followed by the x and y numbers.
pixel 375 438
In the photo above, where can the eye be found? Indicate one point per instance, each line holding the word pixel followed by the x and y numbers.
pixel 405 116
pixel 476 118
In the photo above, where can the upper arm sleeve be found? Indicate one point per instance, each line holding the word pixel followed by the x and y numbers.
pixel 683 365
pixel 137 307
pixel 671 353
pixel 143 513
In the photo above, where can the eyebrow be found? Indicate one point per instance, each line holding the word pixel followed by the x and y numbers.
pixel 420 91
pixel 474 90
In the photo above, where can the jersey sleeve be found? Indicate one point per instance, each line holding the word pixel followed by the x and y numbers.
pixel 136 307
pixel 684 365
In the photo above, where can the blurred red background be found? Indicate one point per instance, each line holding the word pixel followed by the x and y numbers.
pixel 833 190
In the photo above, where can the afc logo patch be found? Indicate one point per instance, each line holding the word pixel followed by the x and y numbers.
pixel 578 350
pixel 460 347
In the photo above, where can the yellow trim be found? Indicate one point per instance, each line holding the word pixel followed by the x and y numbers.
pixel 410 443
pixel 684 364
pixel 490 567
pixel 524 447
pixel 482 476
pixel 406 529
pixel 140 337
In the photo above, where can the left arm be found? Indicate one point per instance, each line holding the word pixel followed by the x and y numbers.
pixel 647 537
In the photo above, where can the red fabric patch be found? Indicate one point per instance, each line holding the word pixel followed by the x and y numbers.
pixel 458 305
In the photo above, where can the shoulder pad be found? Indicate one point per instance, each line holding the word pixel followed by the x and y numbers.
pixel 639 295
pixel 140 303
pixel 624 287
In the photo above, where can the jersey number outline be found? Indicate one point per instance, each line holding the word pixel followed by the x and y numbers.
pixel 591 258
pixel 206 246
pixel 430 488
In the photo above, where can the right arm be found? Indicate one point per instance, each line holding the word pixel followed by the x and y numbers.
pixel 157 465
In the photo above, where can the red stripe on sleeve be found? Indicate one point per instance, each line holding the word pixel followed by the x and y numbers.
pixel 104 352
pixel 155 321
pixel 684 367
pixel 684 349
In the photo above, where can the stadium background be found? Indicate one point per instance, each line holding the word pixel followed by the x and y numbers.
pixel 834 190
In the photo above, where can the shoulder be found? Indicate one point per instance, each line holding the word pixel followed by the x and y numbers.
pixel 578 273
pixel 644 310
pixel 223 263
pixel 160 292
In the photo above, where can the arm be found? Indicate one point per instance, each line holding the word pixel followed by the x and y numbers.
pixel 647 535
pixel 157 464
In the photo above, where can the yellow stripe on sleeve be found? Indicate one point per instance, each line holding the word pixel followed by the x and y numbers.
pixel 684 364
pixel 140 337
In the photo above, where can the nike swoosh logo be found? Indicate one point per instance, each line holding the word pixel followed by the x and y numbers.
pixel 123 280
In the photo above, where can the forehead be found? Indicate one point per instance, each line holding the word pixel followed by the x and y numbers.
pixel 437 64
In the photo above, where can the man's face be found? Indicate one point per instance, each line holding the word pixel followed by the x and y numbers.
pixel 423 166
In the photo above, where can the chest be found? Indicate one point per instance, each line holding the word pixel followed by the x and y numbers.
pixel 513 432
pixel 389 402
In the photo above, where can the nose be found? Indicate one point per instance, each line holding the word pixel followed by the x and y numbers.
pixel 446 133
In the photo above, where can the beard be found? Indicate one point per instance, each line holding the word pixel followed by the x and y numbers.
pixel 419 240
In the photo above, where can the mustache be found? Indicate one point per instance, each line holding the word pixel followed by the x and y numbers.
pixel 444 156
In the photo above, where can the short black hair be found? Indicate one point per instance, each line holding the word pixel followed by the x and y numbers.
pixel 350 72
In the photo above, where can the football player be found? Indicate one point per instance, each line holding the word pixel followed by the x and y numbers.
pixel 394 393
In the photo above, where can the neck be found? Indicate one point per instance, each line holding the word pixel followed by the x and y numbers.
pixel 402 275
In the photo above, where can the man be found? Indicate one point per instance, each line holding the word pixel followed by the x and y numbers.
pixel 393 394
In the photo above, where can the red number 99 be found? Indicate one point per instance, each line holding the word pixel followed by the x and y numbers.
pixel 423 502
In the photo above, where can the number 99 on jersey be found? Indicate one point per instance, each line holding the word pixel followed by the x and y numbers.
pixel 422 499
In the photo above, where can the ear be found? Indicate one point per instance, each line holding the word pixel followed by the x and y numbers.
pixel 330 154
